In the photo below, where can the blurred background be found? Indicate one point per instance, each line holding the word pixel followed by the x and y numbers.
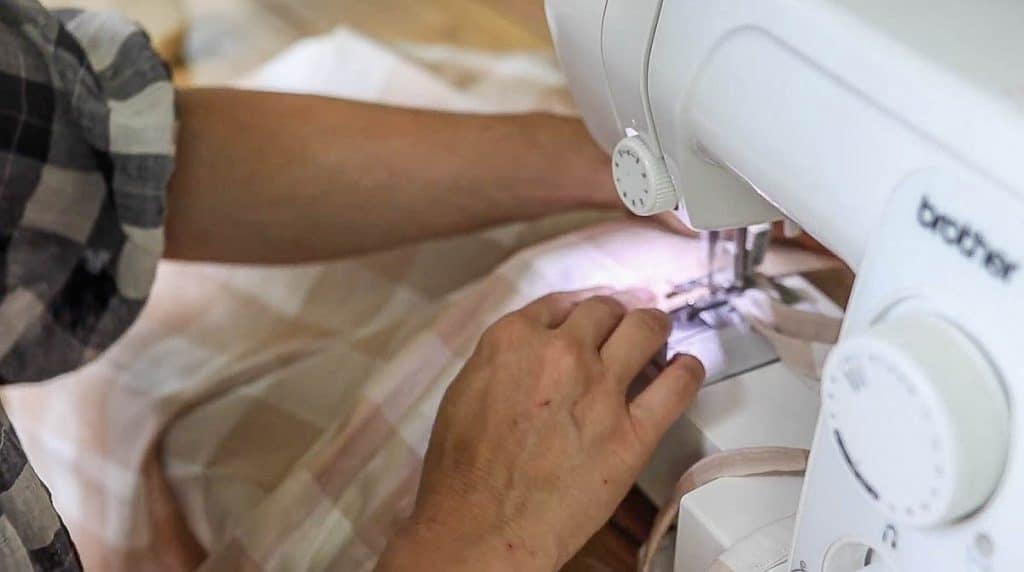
pixel 216 41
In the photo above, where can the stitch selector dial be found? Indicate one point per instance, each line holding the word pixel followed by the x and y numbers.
pixel 642 178
pixel 920 417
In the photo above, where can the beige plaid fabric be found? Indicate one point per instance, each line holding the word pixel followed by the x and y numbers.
pixel 275 419
pixel 339 474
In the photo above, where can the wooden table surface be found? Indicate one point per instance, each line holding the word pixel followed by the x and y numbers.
pixel 487 24
pixel 228 38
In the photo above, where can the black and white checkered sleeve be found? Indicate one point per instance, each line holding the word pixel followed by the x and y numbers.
pixel 87 130
pixel 86 151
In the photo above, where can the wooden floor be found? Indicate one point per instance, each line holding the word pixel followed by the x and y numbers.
pixel 227 38
pixel 489 24
pixel 213 41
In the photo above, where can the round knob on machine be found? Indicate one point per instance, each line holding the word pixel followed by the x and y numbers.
pixel 642 178
pixel 920 416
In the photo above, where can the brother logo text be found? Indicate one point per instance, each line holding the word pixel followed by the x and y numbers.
pixel 970 242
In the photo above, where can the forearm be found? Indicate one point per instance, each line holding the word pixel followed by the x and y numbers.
pixel 273 178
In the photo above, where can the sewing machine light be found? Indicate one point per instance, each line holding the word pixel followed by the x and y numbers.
pixel 920 417
pixel 642 179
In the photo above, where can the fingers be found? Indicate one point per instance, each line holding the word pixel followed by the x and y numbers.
pixel 594 319
pixel 640 334
pixel 552 310
pixel 666 398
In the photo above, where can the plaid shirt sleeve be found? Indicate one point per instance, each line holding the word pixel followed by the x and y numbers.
pixel 87 131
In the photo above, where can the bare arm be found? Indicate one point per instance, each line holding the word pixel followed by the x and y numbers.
pixel 273 178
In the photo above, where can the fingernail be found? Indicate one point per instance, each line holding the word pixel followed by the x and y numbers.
pixel 691 364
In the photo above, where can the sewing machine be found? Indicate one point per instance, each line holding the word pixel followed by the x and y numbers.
pixel 892 131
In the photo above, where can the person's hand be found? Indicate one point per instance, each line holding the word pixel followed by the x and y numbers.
pixel 535 443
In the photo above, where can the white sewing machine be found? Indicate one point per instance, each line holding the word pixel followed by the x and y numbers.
pixel 893 132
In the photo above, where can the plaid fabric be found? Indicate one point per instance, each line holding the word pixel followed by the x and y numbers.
pixel 348 442
pixel 86 149
pixel 275 419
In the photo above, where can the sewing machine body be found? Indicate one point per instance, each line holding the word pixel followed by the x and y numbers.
pixel 892 132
